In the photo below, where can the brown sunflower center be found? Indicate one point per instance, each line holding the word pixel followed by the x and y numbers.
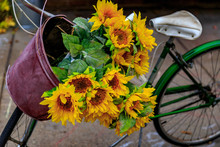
pixel 99 97
pixel 81 84
pixel 142 58
pixel 135 104
pixel 127 55
pixel 108 14
pixel 114 82
pixel 67 106
pixel 122 36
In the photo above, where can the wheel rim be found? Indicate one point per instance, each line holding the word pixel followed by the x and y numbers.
pixel 201 125
pixel 19 134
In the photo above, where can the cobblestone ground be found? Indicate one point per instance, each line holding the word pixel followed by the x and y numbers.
pixel 48 134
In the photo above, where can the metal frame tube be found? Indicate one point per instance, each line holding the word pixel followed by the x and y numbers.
pixel 36 9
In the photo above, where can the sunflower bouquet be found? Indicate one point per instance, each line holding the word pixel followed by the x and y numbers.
pixel 6 19
pixel 104 53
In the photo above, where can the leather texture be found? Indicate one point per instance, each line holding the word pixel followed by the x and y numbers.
pixel 31 75
pixel 181 24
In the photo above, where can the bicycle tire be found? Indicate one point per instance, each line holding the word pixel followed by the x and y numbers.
pixel 17 130
pixel 188 128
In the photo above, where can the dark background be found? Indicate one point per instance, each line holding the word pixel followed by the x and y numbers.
pixel 84 8
pixel 86 4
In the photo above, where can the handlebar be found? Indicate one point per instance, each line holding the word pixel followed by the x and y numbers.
pixel 36 9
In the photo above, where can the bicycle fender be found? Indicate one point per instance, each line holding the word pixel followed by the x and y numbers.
pixel 168 74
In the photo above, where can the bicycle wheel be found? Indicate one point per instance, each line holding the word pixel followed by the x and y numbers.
pixel 18 129
pixel 200 125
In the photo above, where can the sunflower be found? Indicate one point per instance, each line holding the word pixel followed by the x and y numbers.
pixel 117 130
pixel 4 5
pixel 106 119
pixel 141 64
pixel 137 101
pixel 89 117
pixel 63 105
pixel 120 34
pixel 140 122
pixel 81 82
pixel 100 102
pixel 116 81
pixel 6 23
pixel 123 57
pixel 143 34
pixel 6 20
pixel 133 105
pixel 146 96
pixel 106 13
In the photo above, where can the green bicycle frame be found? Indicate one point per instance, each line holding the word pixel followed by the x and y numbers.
pixel 174 68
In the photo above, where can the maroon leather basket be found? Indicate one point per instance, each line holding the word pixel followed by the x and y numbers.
pixel 31 73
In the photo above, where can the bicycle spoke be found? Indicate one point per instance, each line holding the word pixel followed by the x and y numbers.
pixel 190 123
pixel 197 122
pixel 212 115
pixel 217 61
pixel 199 125
pixel 205 70
pixel 216 122
pixel 173 126
pixel 208 126
pixel 181 121
pixel 201 69
pixel 185 78
pixel 20 131
pixel 197 73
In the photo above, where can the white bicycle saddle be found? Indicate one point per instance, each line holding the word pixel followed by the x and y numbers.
pixel 179 24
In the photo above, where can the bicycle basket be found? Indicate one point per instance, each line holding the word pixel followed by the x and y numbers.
pixel 31 73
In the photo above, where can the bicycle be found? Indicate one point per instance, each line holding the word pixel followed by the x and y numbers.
pixel 187 110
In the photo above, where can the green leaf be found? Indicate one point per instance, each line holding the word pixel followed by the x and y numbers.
pixel 142 47
pixel 117 101
pixel 108 43
pixel 77 66
pixel 81 33
pixel 82 99
pixel 95 58
pixel 146 111
pixel 113 125
pixel 99 73
pixel 112 47
pixel 93 53
pixel 138 43
pixel 135 48
pixel 131 86
pixel 60 73
pixel 65 63
pixel 82 22
pixel 75 49
pixel 95 14
pixel 126 122
pixel 127 49
pixel 83 107
pixel 68 40
pixel 49 93
pixel 90 70
pixel 122 109
pixel 91 45
pixel 101 39
pixel 140 89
